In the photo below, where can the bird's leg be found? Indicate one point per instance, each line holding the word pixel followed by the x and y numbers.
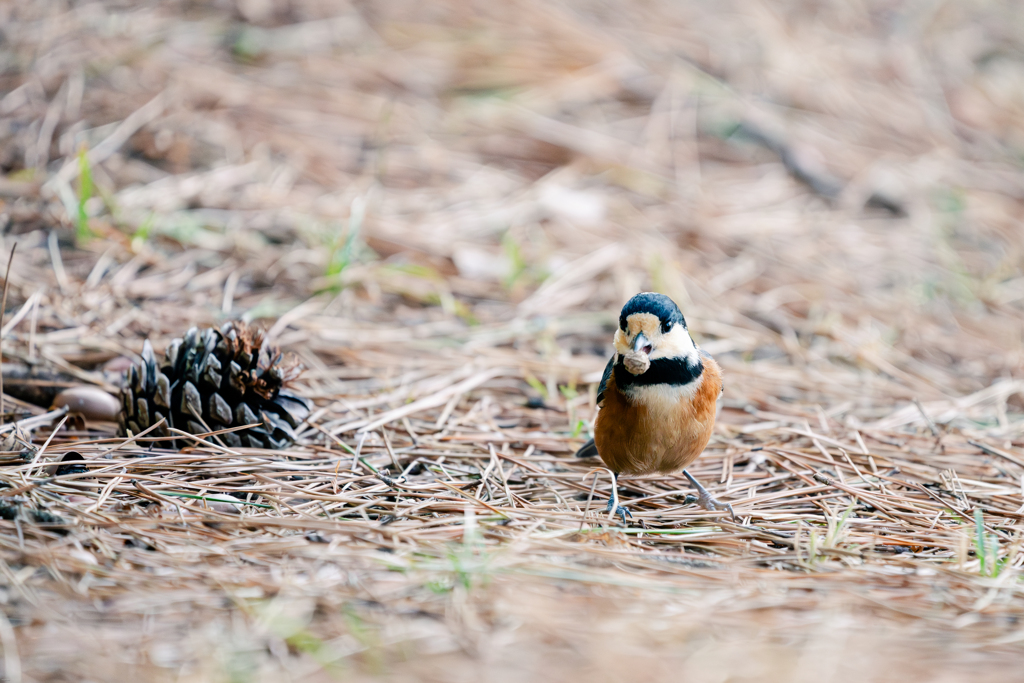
pixel 705 499
pixel 613 503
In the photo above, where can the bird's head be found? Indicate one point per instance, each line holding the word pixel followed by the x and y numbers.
pixel 652 327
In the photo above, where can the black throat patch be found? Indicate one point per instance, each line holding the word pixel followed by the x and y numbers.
pixel 671 371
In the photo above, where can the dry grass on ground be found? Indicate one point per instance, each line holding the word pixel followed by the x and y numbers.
pixel 440 207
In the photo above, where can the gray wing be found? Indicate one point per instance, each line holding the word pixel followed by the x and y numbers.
pixel 604 379
pixel 589 449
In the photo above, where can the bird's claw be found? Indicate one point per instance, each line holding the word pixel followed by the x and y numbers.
pixel 705 499
pixel 619 510
pixel 712 504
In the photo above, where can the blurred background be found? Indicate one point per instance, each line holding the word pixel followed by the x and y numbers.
pixel 832 190
pixel 819 182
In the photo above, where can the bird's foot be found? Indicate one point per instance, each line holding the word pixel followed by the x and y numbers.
pixel 619 510
pixel 705 499
pixel 712 504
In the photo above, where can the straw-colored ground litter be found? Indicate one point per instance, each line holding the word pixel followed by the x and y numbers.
pixel 439 208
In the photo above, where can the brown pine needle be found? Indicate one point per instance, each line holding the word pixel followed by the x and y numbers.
pixel 441 208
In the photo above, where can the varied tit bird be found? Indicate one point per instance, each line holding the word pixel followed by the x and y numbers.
pixel 657 399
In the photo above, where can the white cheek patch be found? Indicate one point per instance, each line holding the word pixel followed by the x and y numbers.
pixel 621 343
pixel 676 343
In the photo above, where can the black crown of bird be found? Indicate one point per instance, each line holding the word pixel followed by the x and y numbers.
pixel 657 399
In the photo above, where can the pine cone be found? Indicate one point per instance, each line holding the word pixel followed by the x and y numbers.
pixel 212 380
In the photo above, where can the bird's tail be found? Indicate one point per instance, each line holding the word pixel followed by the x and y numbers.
pixel 588 450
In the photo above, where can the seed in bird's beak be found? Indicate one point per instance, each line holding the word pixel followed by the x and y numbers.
pixel 636 362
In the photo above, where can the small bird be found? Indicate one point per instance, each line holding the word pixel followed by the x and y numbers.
pixel 657 399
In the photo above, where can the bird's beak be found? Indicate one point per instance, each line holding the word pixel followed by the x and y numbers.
pixel 642 344
pixel 638 360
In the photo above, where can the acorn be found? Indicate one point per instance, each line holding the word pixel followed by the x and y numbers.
pixel 92 402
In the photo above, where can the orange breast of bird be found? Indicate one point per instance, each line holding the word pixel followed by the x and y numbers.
pixel 663 430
